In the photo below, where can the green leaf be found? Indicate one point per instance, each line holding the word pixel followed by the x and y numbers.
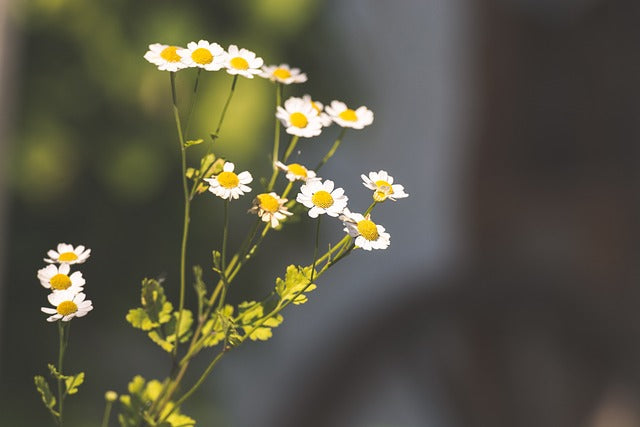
pixel 54 372
pixel 143 394
pixel 251 315
pixel 159 339
pixel 193 142
pixel 296 280
pixel 45 393
pixel 138 318
pixel 219 326
pixel 73 382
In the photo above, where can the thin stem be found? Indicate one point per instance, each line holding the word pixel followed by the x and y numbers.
pixel 370 208
pixel 276 137
pixel 196 386
pixel 292 145
pixel 62 345
pixel 194 98
pixel 225 236
pixel 216 134
pixel 187 208
pixel 107 414
pixel 287 189
pixel 331 151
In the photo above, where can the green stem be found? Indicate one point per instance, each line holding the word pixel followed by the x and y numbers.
pixel 276 137
pixel 196 386
pixel 287 189
pixel 292 145
pixel 187 208
pixel 194 98
pixel 216 134
pixel 370 208
pixel 62 346
pixel 107 414
pixel 225 236
pixel 333 149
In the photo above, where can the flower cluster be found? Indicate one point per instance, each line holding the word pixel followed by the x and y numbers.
pixel 66 288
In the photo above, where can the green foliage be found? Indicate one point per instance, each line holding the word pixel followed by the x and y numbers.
pixel 251 318
pixel 193 142
pixel 71 382
pixel 296 281
pixel 45 393
pixel 219 327
pixel 142 395
pixel 158 318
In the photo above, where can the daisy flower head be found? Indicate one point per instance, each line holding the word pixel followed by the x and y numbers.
pixel 283 74
pixel 270 208
pixel 299 117
pixel 58 278
pixel 165 57
pixel 368 235
pixel 242 62
pixel 229 185
pixel 322 197
pixel 68 305
pixel 324 117
pixel 295 171
pixel 210 56
pixel 67 254
pixel 348 118
pixel 383 187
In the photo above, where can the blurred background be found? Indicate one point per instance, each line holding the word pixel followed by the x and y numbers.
pixel 509 295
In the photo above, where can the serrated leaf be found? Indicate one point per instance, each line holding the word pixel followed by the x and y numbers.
pixel 54 371
pixel 45 393
pixel 138 318
pixel 161 341
pixel 73 382
pixel 296 280
pixel 219 326
pixel 193 142
pixel 153 299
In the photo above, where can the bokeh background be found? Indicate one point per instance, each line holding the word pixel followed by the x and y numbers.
pixel 509 296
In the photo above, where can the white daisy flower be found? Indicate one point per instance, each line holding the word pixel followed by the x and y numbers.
pixel 165 57
pixel 58 278
pixel 383 187
pixel 295 171
pixel 242 62
pixel 321 198
pixel 227 184
pixel 283 74
pixel 67 254
pixel 324 117
pixel 270 208
pixel 368 235
pixel 348 118
pixel 300 118
pixel 67 306
pixel 210 56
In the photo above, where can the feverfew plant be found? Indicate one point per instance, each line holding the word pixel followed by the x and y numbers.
pixel 209 325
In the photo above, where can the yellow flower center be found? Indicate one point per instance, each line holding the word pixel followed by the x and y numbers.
pixel 268 203
pixel 228 179
pixel 281 73
pixel 322 199
pixel 384 186
pixel 368 230
pixel 348 115
pixel 60 282
pixel 67 257
pixel 298 120
pixel 297 169
pixel 316 106
pixel 239 63
pixel 202 56
pixel 66 308
pixel 170 54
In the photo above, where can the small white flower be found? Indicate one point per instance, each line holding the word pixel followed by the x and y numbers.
pixel 321 198
pixel 242 62
pixel 227 184
pixel 58 278
pixel 67 254
pixel 165 57
pixel 270 208
pixel 348 118
pixel 67 306
pixel 383 187
pixel 299 118
pixel 368 235
pixel 324 117
pixel 283 74
pixel 210 56
pixel 296 172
